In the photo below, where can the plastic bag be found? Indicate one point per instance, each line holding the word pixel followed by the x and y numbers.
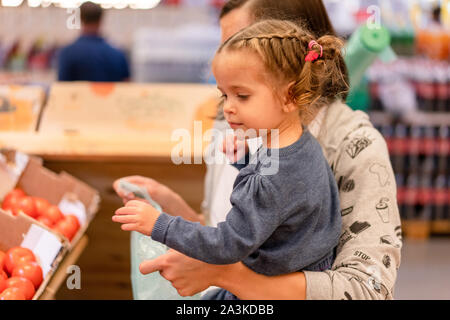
pixel 152 286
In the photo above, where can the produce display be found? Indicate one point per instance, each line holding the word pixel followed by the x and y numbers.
pixel 20 274
pixel 43 211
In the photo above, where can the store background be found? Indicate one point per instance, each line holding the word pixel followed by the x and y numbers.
pixel 173 41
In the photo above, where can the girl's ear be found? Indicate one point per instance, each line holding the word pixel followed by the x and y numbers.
pixel 288 99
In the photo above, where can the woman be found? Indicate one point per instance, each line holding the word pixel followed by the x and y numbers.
pixel 368 254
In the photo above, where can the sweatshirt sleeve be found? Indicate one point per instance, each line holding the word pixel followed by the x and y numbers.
pixel 368 254
pixel 250 222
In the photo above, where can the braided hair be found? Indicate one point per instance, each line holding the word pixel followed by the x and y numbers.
pixel 282 46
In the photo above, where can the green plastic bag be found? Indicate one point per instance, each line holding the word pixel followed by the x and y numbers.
pixel 152 286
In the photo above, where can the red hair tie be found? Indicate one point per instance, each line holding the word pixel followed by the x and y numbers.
pixel 313 55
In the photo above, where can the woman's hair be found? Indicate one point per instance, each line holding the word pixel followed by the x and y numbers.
pixel 311 14
pixel 230 6
pixel 283 46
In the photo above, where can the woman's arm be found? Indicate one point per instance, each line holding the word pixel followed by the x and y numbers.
pixel 171 202
pixel 190 276
pixel 249 285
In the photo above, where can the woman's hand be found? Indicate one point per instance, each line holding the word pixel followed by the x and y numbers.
pixel 162 194
pixel 189 276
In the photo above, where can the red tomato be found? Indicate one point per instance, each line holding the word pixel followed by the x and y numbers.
pixel 2 260
pixel 3 284
pixel 73 220
pixel 12 294
pixel 53 214
pixel 30 270
pixel 24 284
pixel 3 275
pixel 11 203
pixel 41 205
pixel 16 256
pixel 26 205
pixel 11 199
pixel 45 221
pixel 15 193
pixel 68 227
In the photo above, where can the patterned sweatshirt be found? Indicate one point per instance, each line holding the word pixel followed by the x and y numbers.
pixel 369 250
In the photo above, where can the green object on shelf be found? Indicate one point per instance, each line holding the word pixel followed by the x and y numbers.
pixel 364 47
pixel 359 97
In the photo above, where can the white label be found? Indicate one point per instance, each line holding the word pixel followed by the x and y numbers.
pixel 74 207
pixel 44 245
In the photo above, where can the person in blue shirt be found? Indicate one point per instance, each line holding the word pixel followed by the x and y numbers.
pixel 90 57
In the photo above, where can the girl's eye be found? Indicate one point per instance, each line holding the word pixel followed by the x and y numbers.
pixel 242 96
pixel 223 96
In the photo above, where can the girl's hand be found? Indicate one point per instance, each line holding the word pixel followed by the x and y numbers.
pixel 137 216
pixel 162 194
pixel 234 148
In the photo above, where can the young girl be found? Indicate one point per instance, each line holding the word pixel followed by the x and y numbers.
pixel 272 75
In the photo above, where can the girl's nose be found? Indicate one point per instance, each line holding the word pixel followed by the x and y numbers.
pixel 228 107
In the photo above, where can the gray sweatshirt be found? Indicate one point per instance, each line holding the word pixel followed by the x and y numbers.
pixel 282 220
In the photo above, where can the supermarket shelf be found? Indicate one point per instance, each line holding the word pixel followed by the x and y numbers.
pixel 61 274
pixel 412 118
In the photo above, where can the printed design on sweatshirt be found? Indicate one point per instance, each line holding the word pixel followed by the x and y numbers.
pixel 354 230
pixel 383 210
pixel 362 255
pixel 387 239
pixel 374 280
pixel 381 172
pixel 386 261
pixel 398 232
pixel 357 145
pixel 345 184
pixel 346 265
pixel 347 296
pixel 346 211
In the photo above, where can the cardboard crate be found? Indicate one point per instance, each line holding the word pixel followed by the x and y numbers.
pixel 70 194
pixel 48 246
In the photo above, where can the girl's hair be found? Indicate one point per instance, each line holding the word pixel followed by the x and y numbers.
pixel 282 46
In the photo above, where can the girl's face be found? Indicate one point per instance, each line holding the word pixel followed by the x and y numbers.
pixel 249 98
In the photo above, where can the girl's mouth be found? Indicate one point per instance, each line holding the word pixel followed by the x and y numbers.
pixel 234 125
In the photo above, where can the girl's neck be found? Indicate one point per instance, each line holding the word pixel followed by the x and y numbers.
pixel 285 135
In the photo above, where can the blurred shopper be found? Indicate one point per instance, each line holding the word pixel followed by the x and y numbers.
pixel 90 57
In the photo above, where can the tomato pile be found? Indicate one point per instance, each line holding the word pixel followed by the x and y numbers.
pixel 20 274
pixel 43 211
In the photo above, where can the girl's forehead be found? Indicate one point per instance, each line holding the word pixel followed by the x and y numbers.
pixel 238 63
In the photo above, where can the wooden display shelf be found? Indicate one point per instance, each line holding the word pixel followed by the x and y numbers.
pixel 84 132
pixel 61 274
